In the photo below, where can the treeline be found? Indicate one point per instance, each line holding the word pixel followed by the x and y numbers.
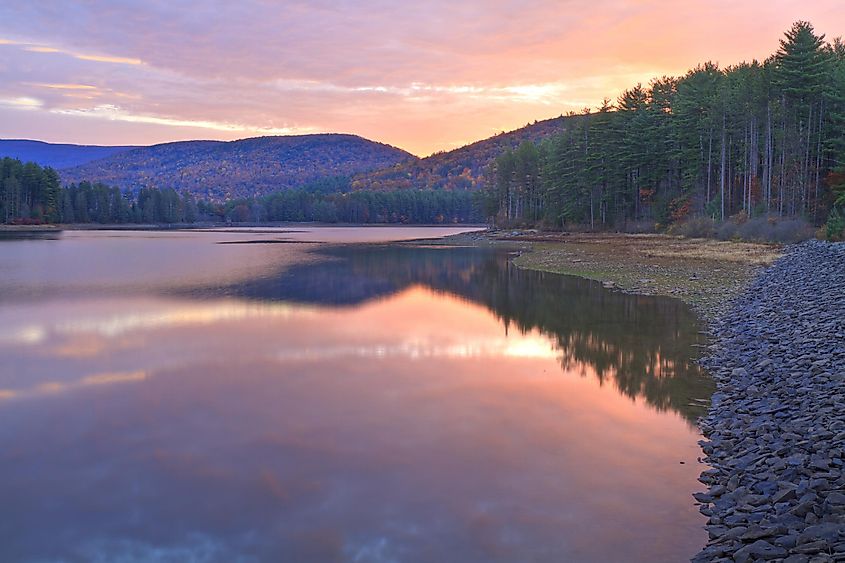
pixel 364 206
pixel 99 203
pixel 753 139
pixel 30 194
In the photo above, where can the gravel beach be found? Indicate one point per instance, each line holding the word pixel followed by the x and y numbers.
pixel 775 433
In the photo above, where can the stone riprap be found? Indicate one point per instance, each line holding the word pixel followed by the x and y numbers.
pixel 776 428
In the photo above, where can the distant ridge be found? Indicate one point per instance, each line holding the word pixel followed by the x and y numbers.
pixel 220 170
pixel 56 155
pixel 244 168
pixel 461 168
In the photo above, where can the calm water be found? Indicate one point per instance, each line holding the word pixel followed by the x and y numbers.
pixel 167 397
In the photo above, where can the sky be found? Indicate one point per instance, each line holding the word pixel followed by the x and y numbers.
pixel 423 76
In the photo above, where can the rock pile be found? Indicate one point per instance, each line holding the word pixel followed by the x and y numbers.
pixel 776 428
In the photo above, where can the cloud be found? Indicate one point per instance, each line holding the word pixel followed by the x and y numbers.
pixel 34 48
pixel 56 387
pixel 423 76
pixel 116 113
pixel 66 86
pixel 21 102
pixel 108 59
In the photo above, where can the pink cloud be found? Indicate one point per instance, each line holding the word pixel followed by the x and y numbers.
pixel 423 76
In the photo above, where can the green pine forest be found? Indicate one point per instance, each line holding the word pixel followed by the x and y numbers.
pixel 755 139
pixel 31 194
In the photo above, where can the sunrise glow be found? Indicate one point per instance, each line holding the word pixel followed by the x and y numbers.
pixel 427 77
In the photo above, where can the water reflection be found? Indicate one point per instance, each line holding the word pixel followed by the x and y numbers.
pixel 644 345
pixel 359 404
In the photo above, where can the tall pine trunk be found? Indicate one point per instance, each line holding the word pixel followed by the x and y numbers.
pixel 722 170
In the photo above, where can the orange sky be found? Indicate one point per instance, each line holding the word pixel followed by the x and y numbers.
pixel 424 77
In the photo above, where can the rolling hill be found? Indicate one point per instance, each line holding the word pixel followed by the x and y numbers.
pixel 462 168
pixel 249 167
pixel 220 170
pixel 56 155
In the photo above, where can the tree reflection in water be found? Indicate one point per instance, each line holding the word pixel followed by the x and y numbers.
pixel 643 345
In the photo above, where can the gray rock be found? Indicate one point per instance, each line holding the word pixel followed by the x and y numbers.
pixel 835 498
pixel 755 532
pixel 828 532
pixel 786 541
pixel 812 547
pixel 760 549
pixel 775 432
pixel 783 495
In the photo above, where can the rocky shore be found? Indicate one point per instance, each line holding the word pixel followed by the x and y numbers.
pixel 776 428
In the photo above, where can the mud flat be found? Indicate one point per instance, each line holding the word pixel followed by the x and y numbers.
pixel 707 274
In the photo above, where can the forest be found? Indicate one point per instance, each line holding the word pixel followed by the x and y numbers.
pixel 464 168
pixel 31 194
pixel 357 206
pixel 755 139
pixel 218 170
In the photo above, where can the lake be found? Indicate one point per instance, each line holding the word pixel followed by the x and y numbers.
pixel 268 395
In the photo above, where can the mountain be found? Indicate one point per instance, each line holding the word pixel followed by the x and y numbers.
pixel 462 168
pixel 222 170
pixel 248 167
pixel 55 155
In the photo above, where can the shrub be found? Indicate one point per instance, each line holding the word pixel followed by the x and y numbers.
pixel 835 227
pixel 727 231
pixel 765 229
pixel 695 227
pixel 790 231
pixel 640 227
pixel 741 227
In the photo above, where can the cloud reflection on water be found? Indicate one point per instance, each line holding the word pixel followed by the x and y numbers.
pixel 424 417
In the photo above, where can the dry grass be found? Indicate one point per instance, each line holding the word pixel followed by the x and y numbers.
pixel 753 254
pixel 705 273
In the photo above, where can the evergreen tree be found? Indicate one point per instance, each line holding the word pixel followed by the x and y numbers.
pixel 754 138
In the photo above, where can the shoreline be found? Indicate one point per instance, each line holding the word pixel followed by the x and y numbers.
pixel 200 226
pixel 706 274
pixel 774 435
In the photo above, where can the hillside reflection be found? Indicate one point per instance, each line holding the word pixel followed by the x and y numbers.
pixel 642 345
pixel 164 397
